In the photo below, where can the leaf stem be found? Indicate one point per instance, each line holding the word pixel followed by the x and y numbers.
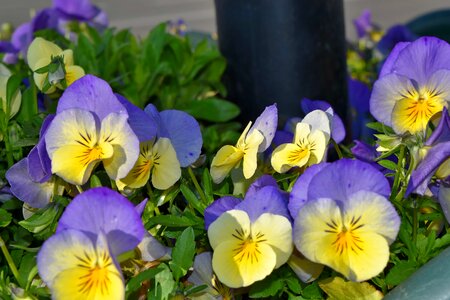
pixel 9 259
pixel 197 185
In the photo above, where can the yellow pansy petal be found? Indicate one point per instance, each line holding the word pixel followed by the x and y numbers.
pixel 41 49
pixel 302 131
pixel 286 156
pixel 374 212
pixel 413 114
pixel 318 146
pixel 238 265
pixel 140 173
pixel 227 226
pixel 166 167
pixel 74 163
pixel 225 160
pixel 116 132
pixel 73 73
pixel 444 170
pixel 252 142
pixel 241 141
pixel 278 236
pixel 68 57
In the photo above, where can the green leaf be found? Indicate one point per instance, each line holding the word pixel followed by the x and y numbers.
pixel 170 221
pixel 213 110
pixel 44 220
pixel 207 185
pixel 400 272
pixel 135 282
pixel 183 253
pixel 28 269
pixel 388 164
pixel 164 285
pixel 28 107
pixel 192 199
pixel 5 218
pixel 270 286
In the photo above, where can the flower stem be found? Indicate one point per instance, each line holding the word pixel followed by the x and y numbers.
pixel 9 259
pixel 398 172
pixel 197 186
pixel 338 150
pixel 9 156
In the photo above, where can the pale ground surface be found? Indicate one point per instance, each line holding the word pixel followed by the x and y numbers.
pixel 141 15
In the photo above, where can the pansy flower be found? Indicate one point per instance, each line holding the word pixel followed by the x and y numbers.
pixel 250 238
pixel 90 127
pixel 351 221
pixel 308 146
pixel 41 53
pixel 414 85
pixel 177 143
pixel 79 261
pixel 253 140
pixel 436 160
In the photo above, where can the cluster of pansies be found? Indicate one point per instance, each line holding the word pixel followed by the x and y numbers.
pixel 125 201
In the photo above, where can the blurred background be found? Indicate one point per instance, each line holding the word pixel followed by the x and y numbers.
pixel 141 15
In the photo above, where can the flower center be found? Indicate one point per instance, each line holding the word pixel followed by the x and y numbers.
pixel 346 236
pixel 96 273
pixel 415 111
pixel 247 249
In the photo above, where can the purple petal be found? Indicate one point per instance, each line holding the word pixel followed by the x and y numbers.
pixel 10 58
pixel 444 200
pixel 290 125
pixel 142 125
pixel 299 193
pixel 346 177
pixel 428 166
pixel 218 207
pixel 358 95
pixel 267 124
pixel 263 181
pixel 7 47
pixel 22 37
pixel 269 199
pixel 151 249
pixel 141 206
pixel 25 189
pixel 104 210
pixel 93 94
pixel 184 134
pixel 428 55
pixel 442 132
pixel 282 137
pixel 364 151
pixel 363 23
pixel 39 163
pixel 45 19
pixel 100 21
pixel 153 113
pixel 76 9
pixel 394 35
pixel 389 62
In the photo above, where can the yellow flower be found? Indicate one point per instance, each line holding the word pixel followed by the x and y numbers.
pixel 229 157
pixel 40 54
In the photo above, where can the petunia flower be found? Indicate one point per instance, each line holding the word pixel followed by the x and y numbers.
pixel 253 140
pixel 413 85
pixel 41 53
pixel 308 146
pixel 91 126
pixel 79 261
pixel 250 238
pixel 351 221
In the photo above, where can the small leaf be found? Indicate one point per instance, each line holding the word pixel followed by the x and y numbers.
pixel 183 253
pixel 270 286
pixel 388 164
pixel 192 199
pixel 5 218
pixel 213 109
pixel 170 221
pixel 135 282
pixel 400 272
pixel 339 289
